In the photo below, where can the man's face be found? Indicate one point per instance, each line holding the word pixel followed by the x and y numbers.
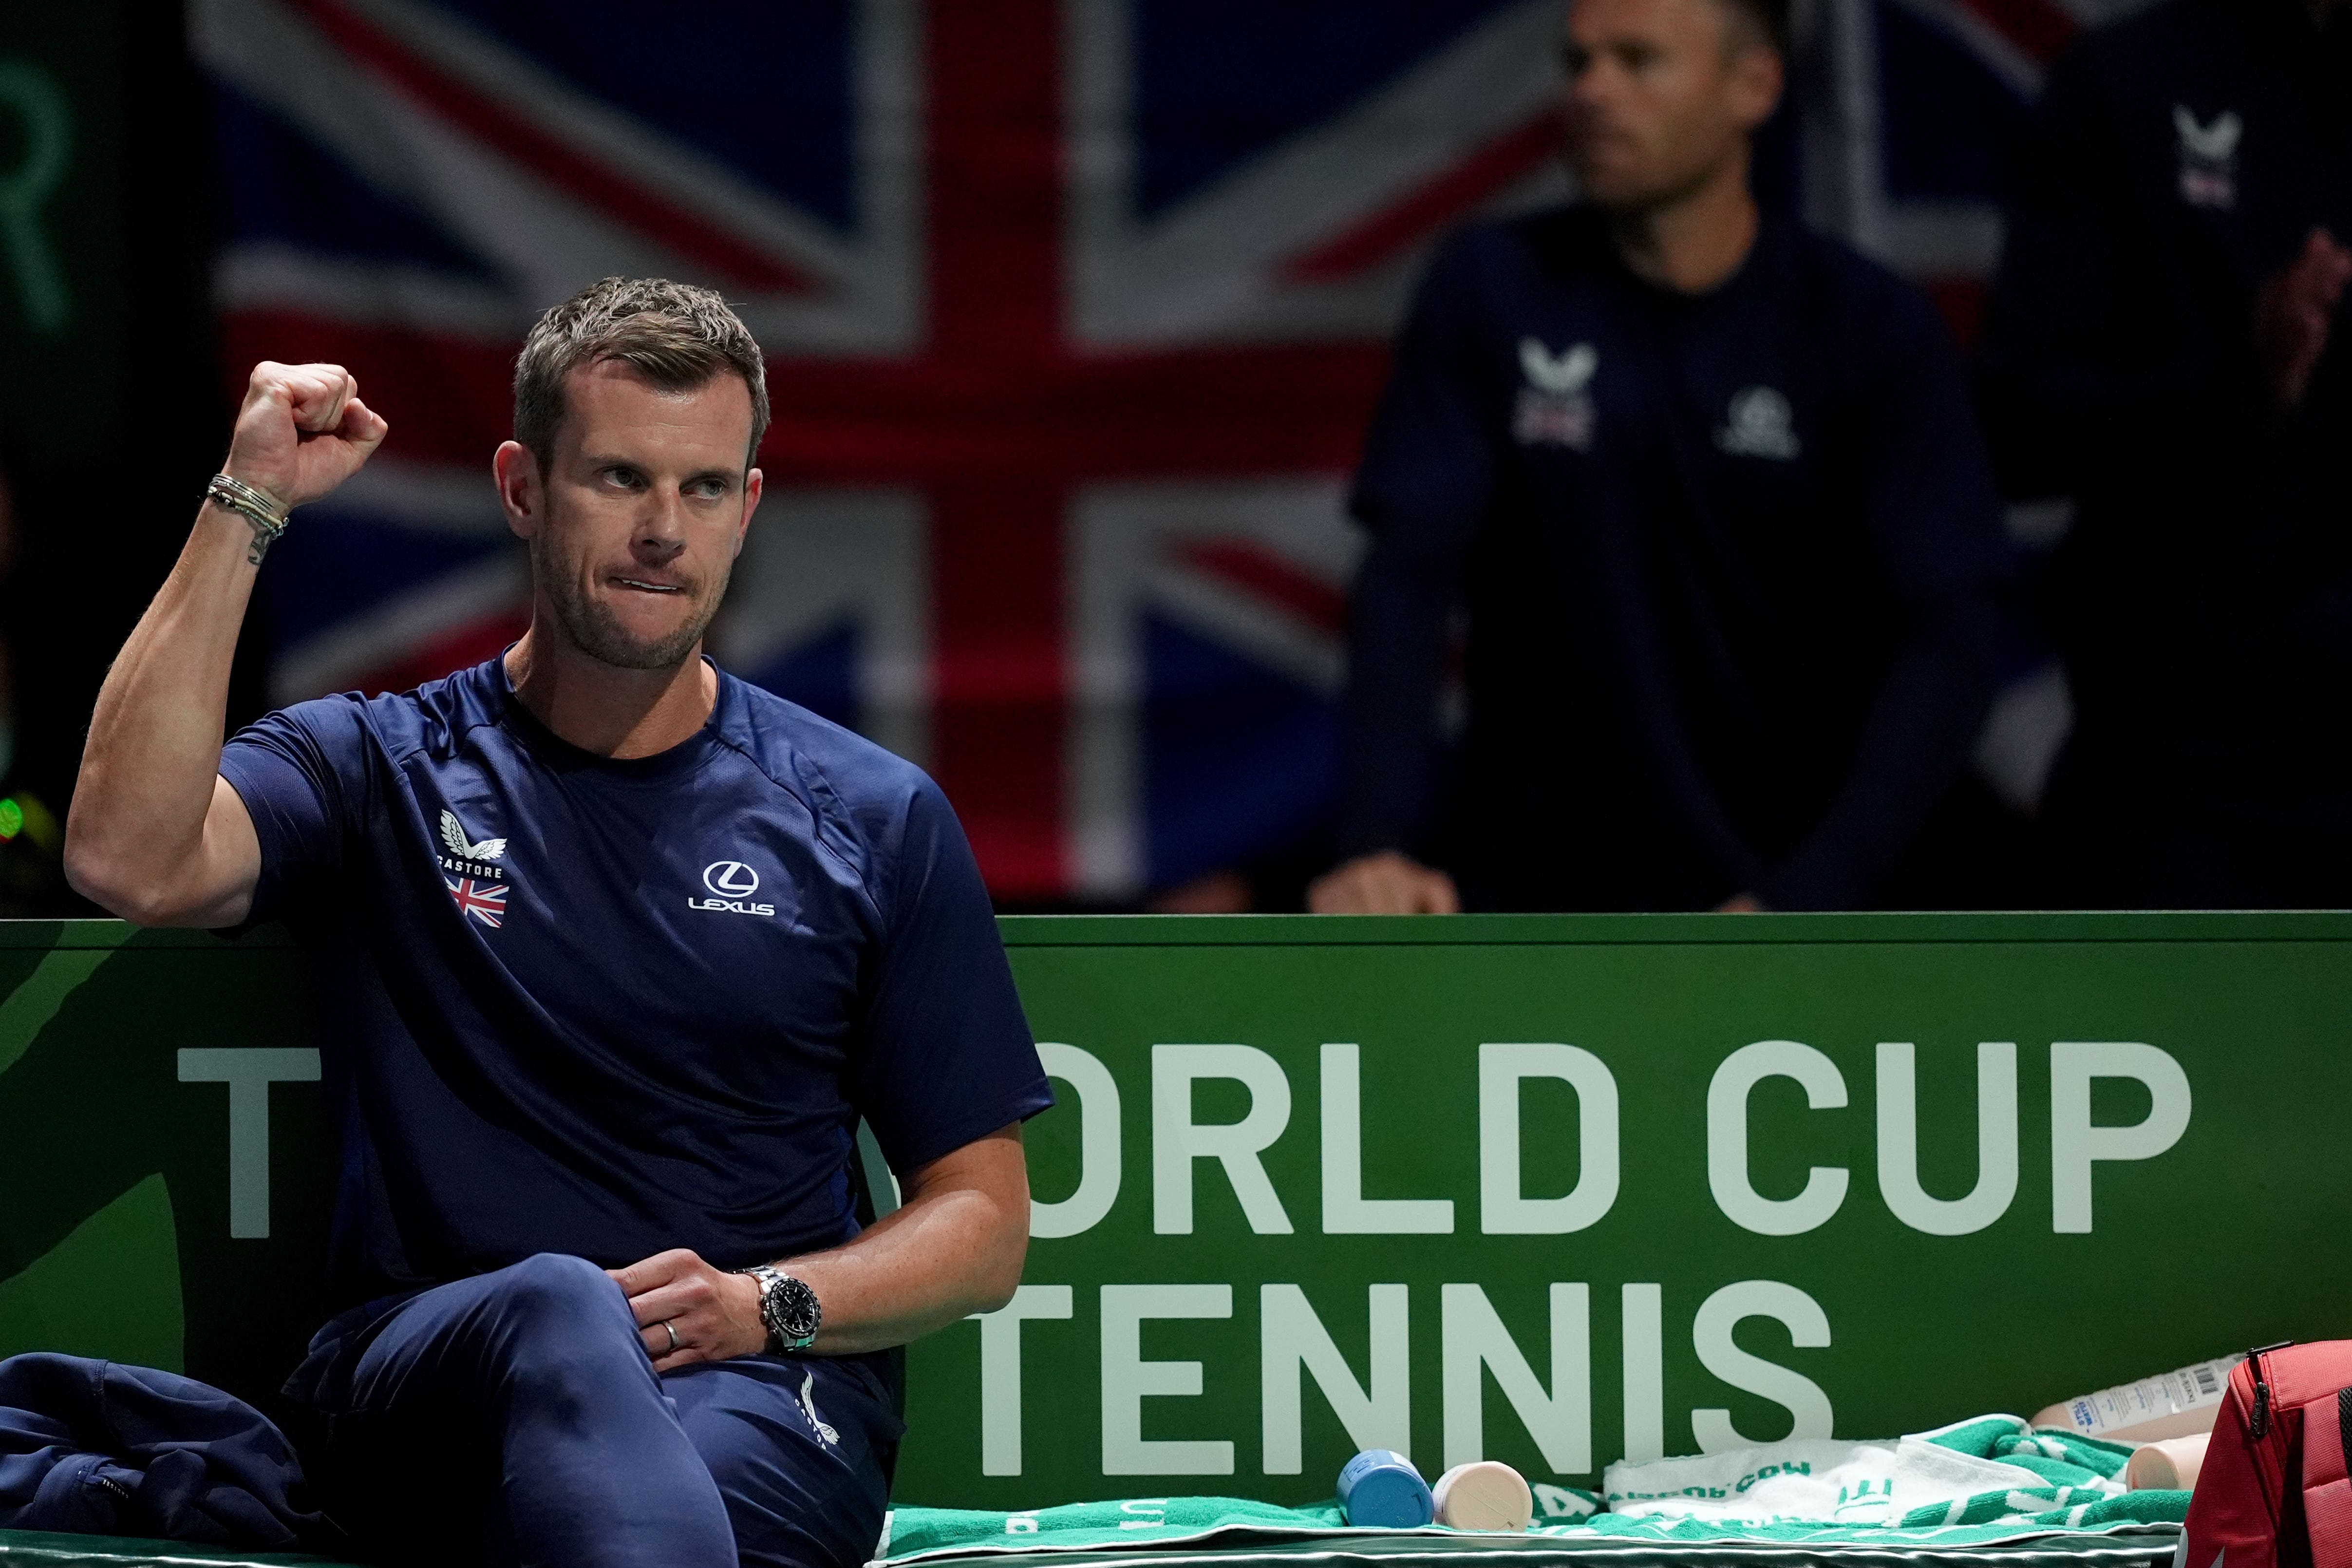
pixel 1658 94
pixel 637 523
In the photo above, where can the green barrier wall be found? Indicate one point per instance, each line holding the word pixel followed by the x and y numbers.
pixel 1547 1189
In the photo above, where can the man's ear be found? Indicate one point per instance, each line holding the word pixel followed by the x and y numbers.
pixel 522 493
pixel 1758 78
pixel 755 485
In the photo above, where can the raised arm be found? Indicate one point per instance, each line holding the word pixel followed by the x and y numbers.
pixel 155 835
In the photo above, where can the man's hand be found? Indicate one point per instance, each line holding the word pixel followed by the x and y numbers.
pixel 2292 315
pixel 954 1248
pixel 715 1315
pixel 302 431
pixel 1387 883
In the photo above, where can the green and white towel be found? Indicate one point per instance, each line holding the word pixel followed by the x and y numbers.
pixel 1973 1472
pixel 2049 1483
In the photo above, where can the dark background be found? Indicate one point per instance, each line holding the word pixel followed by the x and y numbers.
pixel 109 426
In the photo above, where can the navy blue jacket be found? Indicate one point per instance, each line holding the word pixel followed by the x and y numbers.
pixel 2203 598
pixel 1728 561
pixel 93 1448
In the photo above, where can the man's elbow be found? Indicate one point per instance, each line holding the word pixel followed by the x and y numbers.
pixel 98 875
pixel 119 883
pixel 125 901
pixel 1000 1273
pixel 997 1293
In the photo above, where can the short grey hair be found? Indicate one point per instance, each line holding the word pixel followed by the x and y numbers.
pixel 676 335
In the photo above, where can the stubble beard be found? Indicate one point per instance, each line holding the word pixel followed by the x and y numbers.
pixel 592 628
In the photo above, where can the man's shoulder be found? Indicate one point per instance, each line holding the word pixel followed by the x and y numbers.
pixel 423 718
pixel 2157 52
pixel 809 755
pixel 2167 31
pixel 1872 304
pixel 867 802
pixel 1826 260
pixel 1548 244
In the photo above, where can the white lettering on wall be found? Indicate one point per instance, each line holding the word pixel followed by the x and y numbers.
pixel 1000 1372
pixel 1502 1210
pixel 1127 1380
pixel 1346 1210
pixel 1809 1328
pixel 1726 1138
pixel 1291 1337
pixel 1098 1147
pixel 1645 1390
pixel 1898 1142
pixel 1471 1337
pixel 1177 1141
pixel 2075 1143
pixel 248 1070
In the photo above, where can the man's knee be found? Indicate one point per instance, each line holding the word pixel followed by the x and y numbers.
pixel 562 1329
pixel 557 1287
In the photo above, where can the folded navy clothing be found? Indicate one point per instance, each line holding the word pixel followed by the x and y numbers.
pixel 96 1448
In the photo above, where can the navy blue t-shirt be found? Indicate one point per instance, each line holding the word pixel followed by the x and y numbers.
pixel 1730 563
pixel 606 1008
pixel 2178 159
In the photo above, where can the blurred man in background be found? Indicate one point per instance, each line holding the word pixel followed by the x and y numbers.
pixel 2165 345
pixel 1710 491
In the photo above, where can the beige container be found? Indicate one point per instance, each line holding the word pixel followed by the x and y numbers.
pixel 2168 1466
pixel 2176 1405
pixel 1485 1494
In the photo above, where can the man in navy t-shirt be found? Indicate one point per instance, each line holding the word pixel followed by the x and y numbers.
pixel 1709 488
pixel 616 951
pixel 2169 343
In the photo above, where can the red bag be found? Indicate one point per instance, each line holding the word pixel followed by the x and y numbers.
pixel 2274 1492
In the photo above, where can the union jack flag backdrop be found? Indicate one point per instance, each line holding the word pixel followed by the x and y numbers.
pixel 1076 311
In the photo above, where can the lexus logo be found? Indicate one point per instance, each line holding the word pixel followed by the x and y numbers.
pixel 730 878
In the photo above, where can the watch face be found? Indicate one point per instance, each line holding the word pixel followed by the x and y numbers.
pixel 800 1310
pixel 790 1310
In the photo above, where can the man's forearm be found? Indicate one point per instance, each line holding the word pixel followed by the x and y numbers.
pixel 941 1257
pixel 147 772
pixel 955 1248
pixel 1396 658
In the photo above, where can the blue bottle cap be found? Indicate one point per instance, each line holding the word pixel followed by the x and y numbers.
pixel 1381 1489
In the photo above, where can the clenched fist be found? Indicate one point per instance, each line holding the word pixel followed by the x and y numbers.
pixel 302 431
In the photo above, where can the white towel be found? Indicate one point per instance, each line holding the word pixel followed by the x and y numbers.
pixel 1809 1478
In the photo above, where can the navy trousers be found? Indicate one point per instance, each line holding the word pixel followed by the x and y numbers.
pixel 515 1419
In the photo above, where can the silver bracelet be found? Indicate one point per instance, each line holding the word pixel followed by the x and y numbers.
pixel 266 517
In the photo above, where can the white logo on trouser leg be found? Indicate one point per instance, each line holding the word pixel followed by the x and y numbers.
pixel 831 1438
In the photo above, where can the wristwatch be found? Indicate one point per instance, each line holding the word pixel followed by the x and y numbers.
pixel 788 1307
